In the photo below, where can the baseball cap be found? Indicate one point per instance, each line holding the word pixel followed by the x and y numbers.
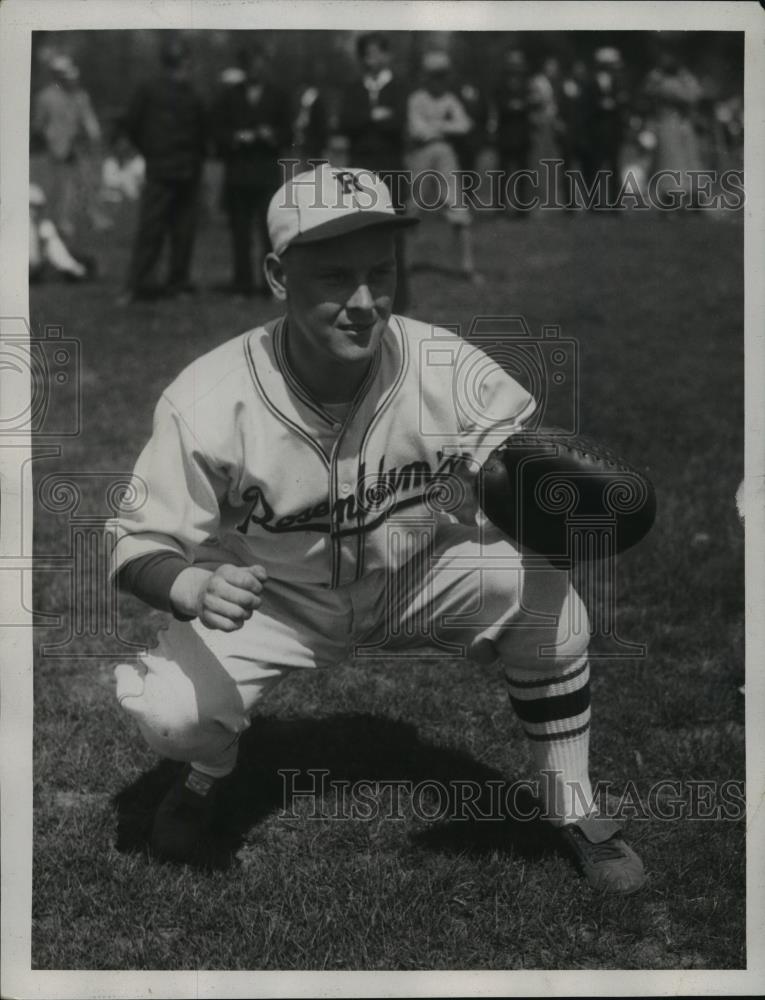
pixel 327 202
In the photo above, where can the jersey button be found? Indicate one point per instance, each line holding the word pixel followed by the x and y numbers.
pixel 345 489
pixel 336 427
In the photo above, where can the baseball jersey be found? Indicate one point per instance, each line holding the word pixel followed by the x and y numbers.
pixel 244 466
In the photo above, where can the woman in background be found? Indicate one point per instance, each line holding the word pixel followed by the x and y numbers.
pixel 674 93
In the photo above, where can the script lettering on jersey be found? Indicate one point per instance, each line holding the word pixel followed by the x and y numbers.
pixel 377 495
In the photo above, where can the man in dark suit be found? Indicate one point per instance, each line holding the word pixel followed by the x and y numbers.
pixel 606 109
pixel 252 126
pixel 373 118
pixel 166 122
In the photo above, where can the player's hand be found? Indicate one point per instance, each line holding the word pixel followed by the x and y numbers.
pixel 230 596
pixel 222 599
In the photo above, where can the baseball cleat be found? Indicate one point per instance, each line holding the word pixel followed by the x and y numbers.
pixel 184 817
pixel 605 859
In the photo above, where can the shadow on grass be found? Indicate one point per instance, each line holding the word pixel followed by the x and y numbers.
pixel 351 748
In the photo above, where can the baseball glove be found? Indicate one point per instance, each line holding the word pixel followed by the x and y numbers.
pixel 565 496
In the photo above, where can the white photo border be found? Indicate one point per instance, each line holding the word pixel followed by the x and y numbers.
pixel 18 19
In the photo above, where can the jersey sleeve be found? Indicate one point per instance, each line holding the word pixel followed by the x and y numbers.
pixel 490 404
pixel 174 504
pixel 151 577
pixel 483 406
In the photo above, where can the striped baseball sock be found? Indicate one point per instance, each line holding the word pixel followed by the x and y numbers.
pixel 220 766
pixel 554 710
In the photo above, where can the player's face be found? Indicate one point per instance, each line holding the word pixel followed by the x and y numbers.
pixel 340 294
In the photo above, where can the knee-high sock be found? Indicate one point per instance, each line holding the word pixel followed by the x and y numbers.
pixel 553 706
pixel 222 765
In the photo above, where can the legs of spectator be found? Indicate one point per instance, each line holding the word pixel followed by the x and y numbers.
pixel 183 226
pixel 62 198
pixel 239 210
pixel 614 179
pixel 515 191
pixel 90 188
pixel 464 236
pixel 153 222
pixel 456 210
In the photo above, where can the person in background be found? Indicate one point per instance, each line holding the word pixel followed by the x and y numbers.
pixel 373 120
pixel 64 120
pixel 48 253
pixel 310 127
pixel 166 122
pixel 544 88
pixel 252 125
pixel 123 172
pixel 511 126
pixel 729 119
pixel 606 112
pixel 213 193
pixel 435 117
pixel 674 94
pixel 476 105
pixel 573 139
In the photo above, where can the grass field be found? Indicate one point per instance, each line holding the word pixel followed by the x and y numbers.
pixel 656 308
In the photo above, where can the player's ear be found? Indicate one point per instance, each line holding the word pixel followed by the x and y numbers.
pixel 275 276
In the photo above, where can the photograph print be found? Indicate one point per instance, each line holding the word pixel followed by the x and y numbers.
pixel 388 496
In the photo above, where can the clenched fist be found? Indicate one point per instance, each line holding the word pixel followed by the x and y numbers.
pixel 222 599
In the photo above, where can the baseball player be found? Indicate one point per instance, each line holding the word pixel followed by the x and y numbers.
pixel 307 493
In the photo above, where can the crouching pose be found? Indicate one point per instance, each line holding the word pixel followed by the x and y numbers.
pixel 308 493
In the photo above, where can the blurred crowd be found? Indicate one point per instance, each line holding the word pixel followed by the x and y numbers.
pixel 590 114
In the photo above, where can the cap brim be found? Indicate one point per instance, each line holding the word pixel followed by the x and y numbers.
pixel 351 224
